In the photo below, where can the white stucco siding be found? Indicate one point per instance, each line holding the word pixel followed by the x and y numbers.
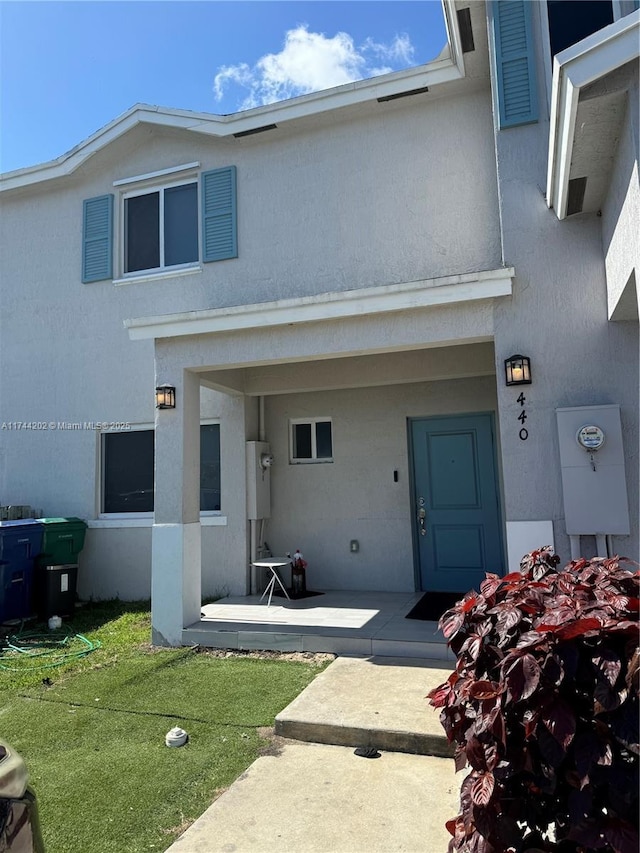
pixel 558 317
pixel 621 212
pixel 321 507
pixel 401 193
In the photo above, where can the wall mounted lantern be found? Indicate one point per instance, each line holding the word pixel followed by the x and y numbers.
pixel 165 397
pixel 517 370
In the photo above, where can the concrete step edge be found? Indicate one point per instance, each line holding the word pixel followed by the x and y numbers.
pixel 415 743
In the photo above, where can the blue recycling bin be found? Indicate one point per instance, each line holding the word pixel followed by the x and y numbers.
pixel 20 544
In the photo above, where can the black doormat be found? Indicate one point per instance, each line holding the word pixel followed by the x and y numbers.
pixel 295 596
pixel 433 604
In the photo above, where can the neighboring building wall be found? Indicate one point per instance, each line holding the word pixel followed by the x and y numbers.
pixel 621 211
pixel 558 317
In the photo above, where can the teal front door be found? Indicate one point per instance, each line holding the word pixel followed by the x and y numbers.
pixel 458 528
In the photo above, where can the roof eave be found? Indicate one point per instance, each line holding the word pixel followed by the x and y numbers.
pixel 573 69
pixel 424 76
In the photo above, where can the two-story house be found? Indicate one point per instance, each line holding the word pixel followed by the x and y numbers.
pixel 329 291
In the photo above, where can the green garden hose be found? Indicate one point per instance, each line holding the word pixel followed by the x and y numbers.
pixel 30 651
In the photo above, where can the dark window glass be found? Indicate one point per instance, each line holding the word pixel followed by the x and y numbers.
pixel 210 467
pixel 572 20
pixel 128 471
pixel 324 448
pixel 302 441
pixel 180 225
pixel 142 216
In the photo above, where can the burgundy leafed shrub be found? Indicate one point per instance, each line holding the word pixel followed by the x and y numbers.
pixel 543 707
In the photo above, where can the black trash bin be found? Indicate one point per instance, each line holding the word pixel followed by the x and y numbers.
pixel 57 590
pixel 57 574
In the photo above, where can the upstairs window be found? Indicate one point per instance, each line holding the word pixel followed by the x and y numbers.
pixel 570 21
pixel 161 228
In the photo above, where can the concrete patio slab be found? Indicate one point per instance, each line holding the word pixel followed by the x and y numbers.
pixel 344 622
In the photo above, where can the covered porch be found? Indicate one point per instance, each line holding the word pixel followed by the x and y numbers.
pixel 343 622
pixel 364 362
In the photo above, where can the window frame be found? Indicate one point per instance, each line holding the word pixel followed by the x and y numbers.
pixel 149 189
pixel 102 460
pixel 149 515
pixel 314 459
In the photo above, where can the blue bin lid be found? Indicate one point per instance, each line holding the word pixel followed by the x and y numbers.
pixel 22 522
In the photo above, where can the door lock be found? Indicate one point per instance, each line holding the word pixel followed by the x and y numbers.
pixel 422 514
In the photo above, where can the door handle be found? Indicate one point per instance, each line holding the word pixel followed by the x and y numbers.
pixel 422 514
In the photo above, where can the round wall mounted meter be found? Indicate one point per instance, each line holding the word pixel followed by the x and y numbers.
pixel 590 437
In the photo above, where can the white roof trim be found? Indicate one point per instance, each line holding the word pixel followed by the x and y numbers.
pixel 574 68
pixel 440 70
pixel 328 306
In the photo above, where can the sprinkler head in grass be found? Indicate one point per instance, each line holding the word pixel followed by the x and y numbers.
pixel 176 737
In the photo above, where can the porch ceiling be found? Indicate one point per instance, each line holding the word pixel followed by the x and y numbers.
pixel 361 371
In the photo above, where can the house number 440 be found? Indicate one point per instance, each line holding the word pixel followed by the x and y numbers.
pixel 524 432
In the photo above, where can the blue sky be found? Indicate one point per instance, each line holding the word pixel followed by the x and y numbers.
pixel 68 68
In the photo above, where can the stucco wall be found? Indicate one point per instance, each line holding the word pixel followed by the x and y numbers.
pixel 348 215
pixel 621 210
pixel 558 317
pixel 321 507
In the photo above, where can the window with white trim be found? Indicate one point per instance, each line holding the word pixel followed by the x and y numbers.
pixel 311 440
pixel 128 471
pixel 161 227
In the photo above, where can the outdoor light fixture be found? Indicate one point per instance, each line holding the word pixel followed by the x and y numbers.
pixel 517 370
pixel 165 397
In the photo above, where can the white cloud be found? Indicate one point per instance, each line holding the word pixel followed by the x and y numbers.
pixel 310 62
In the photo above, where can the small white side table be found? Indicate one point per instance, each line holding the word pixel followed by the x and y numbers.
pixel 273 563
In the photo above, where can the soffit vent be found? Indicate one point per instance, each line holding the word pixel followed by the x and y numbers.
pixel 255 130
pixel 575 197
pixel 407 94
pixel 466 32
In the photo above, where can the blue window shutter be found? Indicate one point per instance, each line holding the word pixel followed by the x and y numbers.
pixel 97 238
pixel 219 227
pixel 515 65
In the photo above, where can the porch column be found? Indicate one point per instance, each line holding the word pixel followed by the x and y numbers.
pixel 176 538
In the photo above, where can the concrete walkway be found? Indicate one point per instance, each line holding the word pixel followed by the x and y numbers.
pixel 314 795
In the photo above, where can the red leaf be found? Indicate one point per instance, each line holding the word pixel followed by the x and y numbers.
pixel 622 836
pixel 468 603
pixel 490 585
pixel 523 677
pixel 451 826
pixel 608 665
pixel 560 721
pixel 573 629
pixel 485 690
pixel 439 695
pixel 482 789
pixel 450 623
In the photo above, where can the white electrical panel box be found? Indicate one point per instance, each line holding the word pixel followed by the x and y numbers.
pixel 259 461
pixel 593 477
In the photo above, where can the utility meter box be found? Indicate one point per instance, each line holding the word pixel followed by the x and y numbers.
pixel 593 476
pixel 259 461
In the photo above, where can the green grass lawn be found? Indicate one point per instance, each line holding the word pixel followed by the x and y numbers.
pixel 93 735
